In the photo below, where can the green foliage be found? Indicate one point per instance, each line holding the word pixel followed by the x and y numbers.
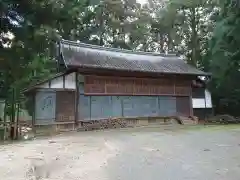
pixel 223 60
pixel 205 31
pixel 35 26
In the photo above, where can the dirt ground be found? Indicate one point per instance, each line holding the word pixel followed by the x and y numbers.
pixel 172 153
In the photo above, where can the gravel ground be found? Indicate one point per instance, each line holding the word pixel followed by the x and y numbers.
pixel 194 153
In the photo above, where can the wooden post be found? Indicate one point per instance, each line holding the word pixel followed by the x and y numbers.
pixel 76 99
pixel 191 101
pixel 34 112
pixel 5 120
pixel 205 105
pixel 12 124
pixel 17 124
pixel 90 100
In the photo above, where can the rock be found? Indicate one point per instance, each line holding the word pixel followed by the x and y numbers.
pixel 51 142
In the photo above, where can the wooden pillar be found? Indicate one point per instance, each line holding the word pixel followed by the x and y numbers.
pixel 174 85
pixel 191 102
pixel 17 123
pixel 205 105
pixel 34 112
pixel 76 99
pixel 191 106
pixel 12 117
pixel 56 106
pixel 64 81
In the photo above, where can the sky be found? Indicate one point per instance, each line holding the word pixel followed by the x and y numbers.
pixel 142 1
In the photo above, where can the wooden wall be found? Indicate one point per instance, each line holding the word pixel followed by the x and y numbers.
pixel 65 106
pixel 66 81
pixel 45 107
pixel 109 96
pixel 103 85
pixel 106 96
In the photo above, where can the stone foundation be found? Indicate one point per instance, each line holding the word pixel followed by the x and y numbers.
pixel 123 123
pixel 113 123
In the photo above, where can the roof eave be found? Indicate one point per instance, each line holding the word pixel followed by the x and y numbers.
pixel 84 45
pixel 75 67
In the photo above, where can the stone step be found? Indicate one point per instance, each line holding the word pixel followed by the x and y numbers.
pixel 187 121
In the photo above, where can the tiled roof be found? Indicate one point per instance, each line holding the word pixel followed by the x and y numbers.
pixel 92 56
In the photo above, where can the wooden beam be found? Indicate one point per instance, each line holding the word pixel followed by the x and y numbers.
pixel 54 89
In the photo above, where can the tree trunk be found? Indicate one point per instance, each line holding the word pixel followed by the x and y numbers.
pixel 194 38
pixel 101 24
pixel 161 43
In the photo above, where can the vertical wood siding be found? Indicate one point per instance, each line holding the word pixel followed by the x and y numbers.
pixel 99 98
pixel 84 107
pixel 106 97
pixel 100 107
pixel 100 85
pixel 183 106
pixel 168 106
pixel 65 106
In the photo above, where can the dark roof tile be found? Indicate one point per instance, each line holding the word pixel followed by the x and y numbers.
pixel 91 56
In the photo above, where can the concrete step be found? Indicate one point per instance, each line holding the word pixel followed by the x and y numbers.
pixel 186 120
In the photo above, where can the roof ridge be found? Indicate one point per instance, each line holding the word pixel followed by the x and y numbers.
pixel 80 44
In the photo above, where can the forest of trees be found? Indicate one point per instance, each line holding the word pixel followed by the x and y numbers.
pixel 205 31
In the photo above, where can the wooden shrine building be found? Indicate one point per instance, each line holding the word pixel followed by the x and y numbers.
pixel 97 83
